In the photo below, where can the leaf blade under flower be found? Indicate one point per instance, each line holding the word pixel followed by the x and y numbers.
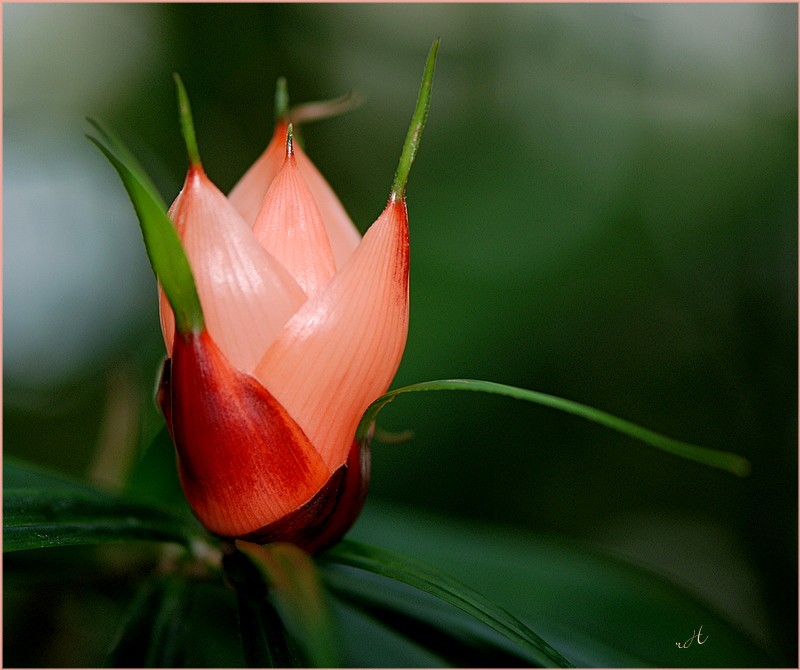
pixel 38 518
pixel 454 637
pixel 423 577
pixel 564 589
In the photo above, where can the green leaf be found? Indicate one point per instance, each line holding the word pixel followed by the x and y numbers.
pixel 164 248
pixel 152 635
pixel 598 610
pixel 187 123
pixel 418 119
pixel 420 576
pixel 43 510
pixel 290 579
pixel 455 640
pixel 714 458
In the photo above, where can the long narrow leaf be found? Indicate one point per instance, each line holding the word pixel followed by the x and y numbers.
pixel 564 590
pixel 419 576
pixel 163 246
pixel 43 510
pixel 715 458
pixel 456 644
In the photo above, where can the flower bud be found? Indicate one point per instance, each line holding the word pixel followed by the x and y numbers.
pixel 263 404
pixel 303 325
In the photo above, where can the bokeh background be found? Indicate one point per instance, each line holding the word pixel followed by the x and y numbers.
pixel 604 208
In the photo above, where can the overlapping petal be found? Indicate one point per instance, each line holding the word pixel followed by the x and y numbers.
pixel 248 194
pixel 290 227
pixel 342 348
pixel 246 294
pixel 289 326
pixel 243 460
pixel 300 325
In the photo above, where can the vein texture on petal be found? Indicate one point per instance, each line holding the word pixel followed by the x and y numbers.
pixel 248 194
pixel 342 349
pixel 343 235
pixel 246 294
pixel 289 227
pixel 243 461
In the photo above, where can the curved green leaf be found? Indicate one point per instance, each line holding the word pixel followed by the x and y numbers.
pixel 566 592
pixel 163 246
pixel 420 576
pixel 714 458
pixel 458 641
pixel 42 510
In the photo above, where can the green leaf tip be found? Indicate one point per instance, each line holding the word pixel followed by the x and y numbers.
pixel 411 144
pixel 164 248
pixel 715 458
pixel 187 123
pixel 281 99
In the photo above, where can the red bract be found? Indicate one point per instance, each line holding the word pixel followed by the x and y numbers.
pixel 305 325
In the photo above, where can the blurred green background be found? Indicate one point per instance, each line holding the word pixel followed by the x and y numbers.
pixel 604 208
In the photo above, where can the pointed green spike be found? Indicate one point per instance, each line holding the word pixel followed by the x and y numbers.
pixel 187 123
pixel 411 145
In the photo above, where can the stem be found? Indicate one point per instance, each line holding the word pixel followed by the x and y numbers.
pixel 187 124
pixel 411 145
